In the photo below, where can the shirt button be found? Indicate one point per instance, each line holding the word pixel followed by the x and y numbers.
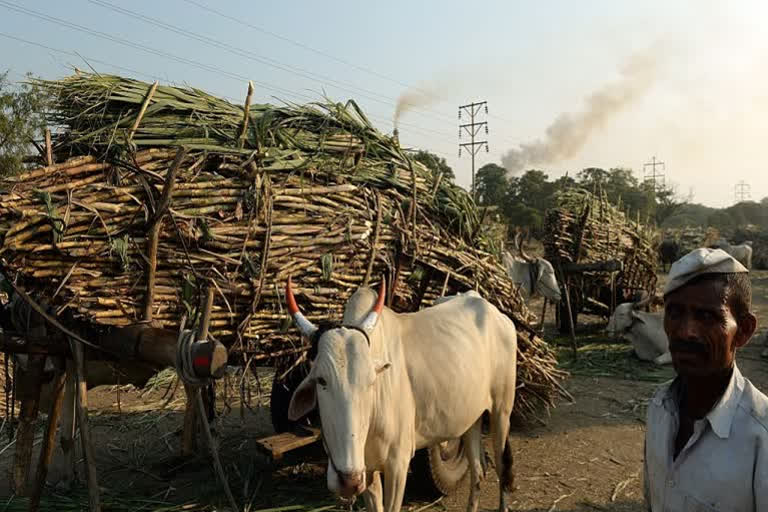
pixel 671 482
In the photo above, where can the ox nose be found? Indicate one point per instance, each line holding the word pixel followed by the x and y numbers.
pixel 351 484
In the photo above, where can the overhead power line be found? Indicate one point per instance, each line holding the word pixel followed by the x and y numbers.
pixel 295 70
pixel 183 60
pixel 322 53
pixel 88 60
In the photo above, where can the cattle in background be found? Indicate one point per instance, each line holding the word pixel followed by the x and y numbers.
pixel 645 331
pixel 534 275
pixel 388 384
pixel 669 252
pixel 742 252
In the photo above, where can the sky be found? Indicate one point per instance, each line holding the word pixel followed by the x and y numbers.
pixel 568 84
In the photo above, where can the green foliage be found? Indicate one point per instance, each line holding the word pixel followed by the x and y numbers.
pixel 22 120
pixel 435 164
pixel 491 184
pixel 523 200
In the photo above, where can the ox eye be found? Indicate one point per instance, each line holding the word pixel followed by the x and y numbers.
pixel 322 381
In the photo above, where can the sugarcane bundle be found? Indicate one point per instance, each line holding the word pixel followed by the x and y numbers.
pixel 585 227
pixel 693 237
pixel 256 193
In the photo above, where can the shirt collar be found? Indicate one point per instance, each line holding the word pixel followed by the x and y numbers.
pixel 721 416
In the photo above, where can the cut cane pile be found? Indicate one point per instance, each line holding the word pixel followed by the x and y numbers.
pixel 262 192
pixel 586 228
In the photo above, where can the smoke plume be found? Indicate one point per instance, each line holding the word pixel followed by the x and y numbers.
pixel 411 99
pixel 570 132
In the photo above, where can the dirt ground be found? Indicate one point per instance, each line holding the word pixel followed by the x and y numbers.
pixel 586 455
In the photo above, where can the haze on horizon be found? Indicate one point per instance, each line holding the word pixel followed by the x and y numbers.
pixel 557 75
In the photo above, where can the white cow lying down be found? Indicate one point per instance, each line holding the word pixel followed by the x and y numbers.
pixel 388 384
pixel 645 331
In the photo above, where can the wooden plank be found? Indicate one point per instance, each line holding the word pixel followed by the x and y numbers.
pixel 49 440
pixel 29 392
pixel 81 412
pixel 279 444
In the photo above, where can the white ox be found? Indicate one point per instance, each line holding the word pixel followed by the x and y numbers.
pixel 742 252
pixel 534 275
pixel 388 384
pixel 645 331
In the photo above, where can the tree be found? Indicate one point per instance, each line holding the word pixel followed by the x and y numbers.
pixel 593 178
pixel 667 203
pixel 22 120
pixel 435 164
pixel 535 190
pixel 492 186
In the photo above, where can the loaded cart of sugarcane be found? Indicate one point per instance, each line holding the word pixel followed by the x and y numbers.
pixel 601 255
pixel 163 224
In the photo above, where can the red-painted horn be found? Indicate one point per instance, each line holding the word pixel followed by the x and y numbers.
pixel 305 326
pixel 379 306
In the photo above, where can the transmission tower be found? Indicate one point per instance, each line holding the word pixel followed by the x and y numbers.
pixel 473 129
pixel 742 191
pixel 657 178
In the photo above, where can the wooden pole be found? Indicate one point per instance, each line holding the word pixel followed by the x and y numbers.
pixel 570 314
pixel 81 410
pixel 202 333
pixel 49 440
pixel 153 237
pixel 188 439
pixel 143 109
pixel 205 320
pixel 543 314
pixel 29 387
pixel 48 148
pixel 149 299
pixel 188 442
pixel 214 451
pixel 67 430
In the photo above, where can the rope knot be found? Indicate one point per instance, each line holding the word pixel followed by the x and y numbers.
pixel 184 363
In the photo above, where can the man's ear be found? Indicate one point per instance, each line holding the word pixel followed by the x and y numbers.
pixel 304 399
pixel 381 366
pixel 746 327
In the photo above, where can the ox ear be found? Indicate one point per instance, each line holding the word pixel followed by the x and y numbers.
pixel 303 400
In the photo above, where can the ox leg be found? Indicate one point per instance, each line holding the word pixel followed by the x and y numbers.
pixel 394 483
pixel 473 442
pixel 373 493
pixel 504 458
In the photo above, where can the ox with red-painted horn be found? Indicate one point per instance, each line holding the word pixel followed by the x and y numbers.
pixel 380 383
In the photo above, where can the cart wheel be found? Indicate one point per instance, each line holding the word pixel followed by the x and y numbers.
pixel 280 399
pixel 441 467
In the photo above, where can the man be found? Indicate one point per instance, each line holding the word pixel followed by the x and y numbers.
pixel 706 442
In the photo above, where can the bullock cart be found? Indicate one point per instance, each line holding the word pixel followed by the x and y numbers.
pixel 602 256
pixel 155 199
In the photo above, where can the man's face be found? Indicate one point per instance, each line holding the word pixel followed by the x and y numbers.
pixel 702 329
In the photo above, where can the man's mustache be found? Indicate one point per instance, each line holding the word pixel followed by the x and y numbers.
pixel 696 347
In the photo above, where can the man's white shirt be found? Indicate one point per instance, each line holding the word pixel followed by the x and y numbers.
pixel 723 466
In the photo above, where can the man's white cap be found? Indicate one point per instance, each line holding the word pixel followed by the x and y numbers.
pixel 701 261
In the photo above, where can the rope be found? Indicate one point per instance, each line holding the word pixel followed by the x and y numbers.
pixel 183 361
